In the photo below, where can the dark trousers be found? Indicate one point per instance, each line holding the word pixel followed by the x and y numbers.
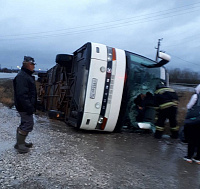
pixel 192 135
pixel 26 122
pixel 140 116
pixel 168 113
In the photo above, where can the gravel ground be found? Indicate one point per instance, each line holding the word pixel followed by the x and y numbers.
pixel 63 157
pixel 53 162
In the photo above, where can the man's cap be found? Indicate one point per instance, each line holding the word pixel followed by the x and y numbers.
pixel 29 59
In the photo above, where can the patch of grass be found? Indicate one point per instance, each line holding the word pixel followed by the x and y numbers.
pixel 6 92
pixel 184 97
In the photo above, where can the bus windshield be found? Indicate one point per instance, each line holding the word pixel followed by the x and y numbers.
pixel 138 59
pixel 140 80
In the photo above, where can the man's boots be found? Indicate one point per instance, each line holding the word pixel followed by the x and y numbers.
pixel 21 144
pixel 29 145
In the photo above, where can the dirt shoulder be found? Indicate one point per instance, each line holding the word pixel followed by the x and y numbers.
pixel 6 92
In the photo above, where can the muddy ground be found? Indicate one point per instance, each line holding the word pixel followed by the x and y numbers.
pixel 63 157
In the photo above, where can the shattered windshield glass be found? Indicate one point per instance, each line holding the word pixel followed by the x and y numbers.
pixel 141 82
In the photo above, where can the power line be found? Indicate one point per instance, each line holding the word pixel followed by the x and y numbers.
pixel 119 20
pixel 107 25
pixel 185 60
pixel 187 39
pixel 97 28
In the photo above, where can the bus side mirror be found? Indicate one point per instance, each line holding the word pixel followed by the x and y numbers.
pixel 164 56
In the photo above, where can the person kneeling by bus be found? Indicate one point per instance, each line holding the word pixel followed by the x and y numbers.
pixel 143 104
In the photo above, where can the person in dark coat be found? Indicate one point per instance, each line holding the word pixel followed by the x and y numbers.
pixel 143 102
pixel 25 98
pixel 140 106
pixel 166 100
pixel 192 129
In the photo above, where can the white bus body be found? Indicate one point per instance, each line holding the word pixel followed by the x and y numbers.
pixel 97 87
pixel 101 83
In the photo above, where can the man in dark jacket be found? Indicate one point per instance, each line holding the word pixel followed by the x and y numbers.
pixel 25 97
pixel 167 101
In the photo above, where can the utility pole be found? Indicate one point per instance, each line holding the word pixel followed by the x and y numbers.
pixel 158 49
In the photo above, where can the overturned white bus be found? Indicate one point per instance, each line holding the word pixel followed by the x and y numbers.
pixel 95 88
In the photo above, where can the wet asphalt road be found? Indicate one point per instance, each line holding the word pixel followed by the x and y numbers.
pixel 63 157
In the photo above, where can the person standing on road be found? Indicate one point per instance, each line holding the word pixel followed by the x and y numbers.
pixel 25 98
pixel 166 100
pixel 192 128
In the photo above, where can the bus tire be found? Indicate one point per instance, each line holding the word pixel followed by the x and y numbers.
pixel 64 60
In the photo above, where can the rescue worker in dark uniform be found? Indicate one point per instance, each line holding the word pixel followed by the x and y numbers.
pixel 25 97
pixel 166 100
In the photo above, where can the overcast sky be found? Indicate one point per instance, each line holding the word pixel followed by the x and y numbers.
pixel 42 29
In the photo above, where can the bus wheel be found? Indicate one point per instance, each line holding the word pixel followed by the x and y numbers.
pixel 64 60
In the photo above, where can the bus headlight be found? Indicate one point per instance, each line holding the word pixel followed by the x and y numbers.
pixel 102 69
